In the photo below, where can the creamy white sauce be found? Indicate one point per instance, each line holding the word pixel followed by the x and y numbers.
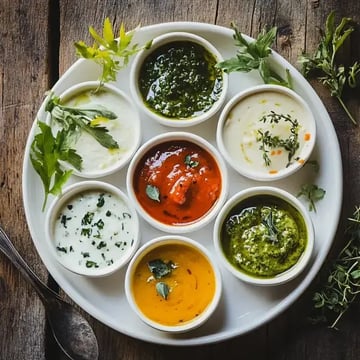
pixel 123 129
pixel 241 131
pixel 93 230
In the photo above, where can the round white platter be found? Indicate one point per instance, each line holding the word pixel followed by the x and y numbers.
pixel 243 307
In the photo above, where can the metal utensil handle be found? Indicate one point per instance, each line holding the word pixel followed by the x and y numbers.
pixel 7 247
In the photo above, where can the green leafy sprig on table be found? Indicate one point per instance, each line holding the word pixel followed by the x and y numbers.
pixel 253 55
pixel 342 278
pixel 48 151
pixel 111 53
pixel 323 62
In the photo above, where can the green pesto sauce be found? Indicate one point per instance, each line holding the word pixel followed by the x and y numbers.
pixel 264 236
pixel 179 80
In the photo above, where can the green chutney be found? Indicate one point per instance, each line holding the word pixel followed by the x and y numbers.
pixel 263 236
pixel 179 80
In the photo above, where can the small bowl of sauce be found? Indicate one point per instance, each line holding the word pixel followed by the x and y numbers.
pixel 176 81
pixel 173 284
pixel 266 132
pixel 264 236
pixel 103 127
pixel 178 182
pixel 92 229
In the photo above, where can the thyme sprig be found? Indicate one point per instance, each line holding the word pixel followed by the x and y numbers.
pixel 324 64
pixel 342 278
pixel 269 141
pixel 253 55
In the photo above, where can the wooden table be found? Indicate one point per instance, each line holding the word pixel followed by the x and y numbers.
pixel 36 47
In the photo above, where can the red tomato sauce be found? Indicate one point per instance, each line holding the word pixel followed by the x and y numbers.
pixel 186 178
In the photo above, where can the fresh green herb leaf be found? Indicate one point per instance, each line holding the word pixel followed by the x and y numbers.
pixel 153 192
pixel 87 218
pixel 312 193
pixel 253 55
pixel 74 120
pixel 101 201
pixel 323 62
pixel 340 280
pixel 100 224
pixel 160 269
pixel 90 264
pixel 61 249
pixel 46 152
pixel 85 254
pixel 101 245
pixel 110 53
pixel 86 232
pixel 268 222
pixel 162 289
pixel 269 141
pixel 190 162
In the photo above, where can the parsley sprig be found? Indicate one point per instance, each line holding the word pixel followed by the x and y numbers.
pixel 253 55
pixel 324 64
pixel 111 53
pixel 46 152
pixel 342 278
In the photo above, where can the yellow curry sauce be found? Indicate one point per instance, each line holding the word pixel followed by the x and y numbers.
pixel 191 285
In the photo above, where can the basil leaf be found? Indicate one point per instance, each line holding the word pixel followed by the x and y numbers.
pixel 191 163
pixel 159 268
pixel 163 289
pixel 153 192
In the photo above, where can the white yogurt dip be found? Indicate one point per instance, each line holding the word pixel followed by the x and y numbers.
pixel 93 229
pixel 98 160
pixel 258 128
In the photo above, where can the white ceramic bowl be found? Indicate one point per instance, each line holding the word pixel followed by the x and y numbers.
pixel 234 206
pixel 158 42
pixel 239 139
pixel 98 161
pixel 172 177
pixel 178 288
pixel 92 229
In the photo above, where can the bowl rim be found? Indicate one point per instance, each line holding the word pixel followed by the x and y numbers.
pixel 186 241
pixel 285 276
pixel 204 144
pixel 135 121
pixel 68 193
pixel 247 172
pixel 144 53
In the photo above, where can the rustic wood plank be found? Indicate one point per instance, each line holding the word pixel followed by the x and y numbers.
pixel 24 76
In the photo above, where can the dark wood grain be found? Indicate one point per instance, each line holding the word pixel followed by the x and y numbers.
pixel 36 47
pixel 24 77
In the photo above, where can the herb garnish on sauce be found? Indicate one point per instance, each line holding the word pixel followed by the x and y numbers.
pixel 161 269
pixel 269 141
